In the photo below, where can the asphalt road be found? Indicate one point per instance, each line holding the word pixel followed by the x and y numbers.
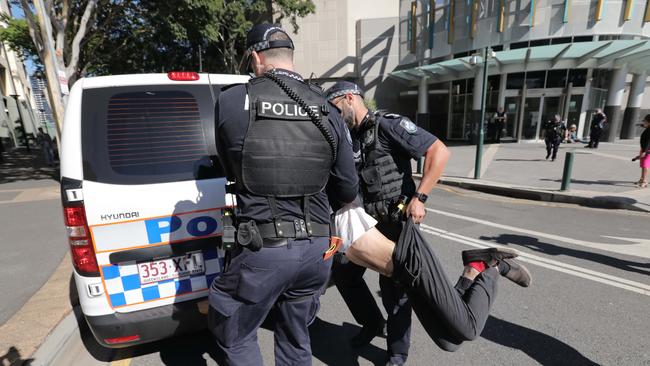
pixel 589 302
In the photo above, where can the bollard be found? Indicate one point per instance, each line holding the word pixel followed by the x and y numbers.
pixel 566 175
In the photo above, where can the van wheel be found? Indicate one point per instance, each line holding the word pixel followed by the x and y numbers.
pixel 74 296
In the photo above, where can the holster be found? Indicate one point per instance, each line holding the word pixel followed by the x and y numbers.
pixel 248 235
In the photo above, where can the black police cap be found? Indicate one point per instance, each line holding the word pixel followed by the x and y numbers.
pixel 342 88
pixel 257 38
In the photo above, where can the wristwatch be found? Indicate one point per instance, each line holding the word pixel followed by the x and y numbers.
pixel 421 197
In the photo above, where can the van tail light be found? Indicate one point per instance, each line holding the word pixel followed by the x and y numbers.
pixel 183 76
pixel 81 245
pixel 120 340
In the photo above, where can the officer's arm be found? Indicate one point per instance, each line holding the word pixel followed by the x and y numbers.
pixel 435 160
pixel 343 184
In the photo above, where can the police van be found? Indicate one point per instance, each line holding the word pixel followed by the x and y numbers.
pixel 142 196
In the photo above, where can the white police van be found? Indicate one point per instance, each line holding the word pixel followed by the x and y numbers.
pixel 142 197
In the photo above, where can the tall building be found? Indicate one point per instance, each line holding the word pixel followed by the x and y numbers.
pixel 355 40
pixel 43 111
pixel 546 57
pixel 15 93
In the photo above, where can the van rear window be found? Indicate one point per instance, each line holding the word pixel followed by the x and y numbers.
pixel 141 135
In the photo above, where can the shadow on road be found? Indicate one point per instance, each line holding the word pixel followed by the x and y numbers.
pixel 552 249
pixel 20 165
pixel 539 346
pixel 328 345
pixel 13 357
pixel 618 183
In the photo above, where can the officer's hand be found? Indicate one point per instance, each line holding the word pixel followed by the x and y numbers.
pixel 415 209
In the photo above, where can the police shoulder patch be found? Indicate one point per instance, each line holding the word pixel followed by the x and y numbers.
pixel 408 125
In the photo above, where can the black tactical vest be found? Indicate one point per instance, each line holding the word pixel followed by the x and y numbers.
pixel 284 153
pixel 385 174
pixel 554 129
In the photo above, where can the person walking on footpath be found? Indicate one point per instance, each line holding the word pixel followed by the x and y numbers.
pixel 500 119
pixel 554 131
pixel 644 153
pixel 596 129
pixel 46 144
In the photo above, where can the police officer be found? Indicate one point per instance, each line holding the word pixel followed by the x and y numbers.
pixel 596 129
pixel 500 119
pixel 285 147
pixel 384 145
pixel 554 131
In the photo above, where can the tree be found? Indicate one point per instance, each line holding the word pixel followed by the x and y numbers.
pixel 103 37
pixel 50 22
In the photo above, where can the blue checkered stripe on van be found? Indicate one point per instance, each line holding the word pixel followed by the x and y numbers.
pixel 123 286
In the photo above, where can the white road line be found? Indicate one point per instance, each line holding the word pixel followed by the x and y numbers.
pixel 546 263
pixel 641 249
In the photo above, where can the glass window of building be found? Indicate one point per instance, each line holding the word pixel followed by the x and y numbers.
pixel 535 79
pixel 578 77
pixel 584 38
pixel 515 80
pixel 516 45
pixel 540 42
pixel 556 78
pixel 561 40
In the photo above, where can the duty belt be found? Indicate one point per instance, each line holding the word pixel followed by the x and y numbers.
pixel 297 229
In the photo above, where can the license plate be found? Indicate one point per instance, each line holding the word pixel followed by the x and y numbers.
pixel 169 269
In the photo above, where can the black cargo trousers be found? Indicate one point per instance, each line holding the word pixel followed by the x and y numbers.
pixel 348 278
pixel 449 314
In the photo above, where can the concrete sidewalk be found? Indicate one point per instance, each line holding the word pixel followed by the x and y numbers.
pixel 602 177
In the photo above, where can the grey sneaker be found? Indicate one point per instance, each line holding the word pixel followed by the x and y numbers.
pixel 517 272
pixel 491 256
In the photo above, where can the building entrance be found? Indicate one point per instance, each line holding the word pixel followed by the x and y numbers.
pixel 538 110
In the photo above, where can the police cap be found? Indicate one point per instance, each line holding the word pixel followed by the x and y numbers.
pixel 258 38
pixel 342 88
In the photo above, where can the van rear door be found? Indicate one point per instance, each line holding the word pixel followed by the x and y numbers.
pixel 153 194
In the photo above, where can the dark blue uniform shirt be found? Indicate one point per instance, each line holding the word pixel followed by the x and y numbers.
pixel 231 119
pixel 397 134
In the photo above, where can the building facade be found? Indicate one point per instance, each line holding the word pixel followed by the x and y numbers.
pixel 16 93
pixel 42 110
pixel 547 57
pixel 424 59
pixel 350 40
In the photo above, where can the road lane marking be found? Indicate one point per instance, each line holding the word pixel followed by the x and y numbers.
pixel 577 271
pixel 639 249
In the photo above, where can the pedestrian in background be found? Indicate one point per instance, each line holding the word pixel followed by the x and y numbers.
pixel 596 129
pixel 554 131
pixel 572 134
pixel 500 119
pixel 644 153
pixel 46 144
